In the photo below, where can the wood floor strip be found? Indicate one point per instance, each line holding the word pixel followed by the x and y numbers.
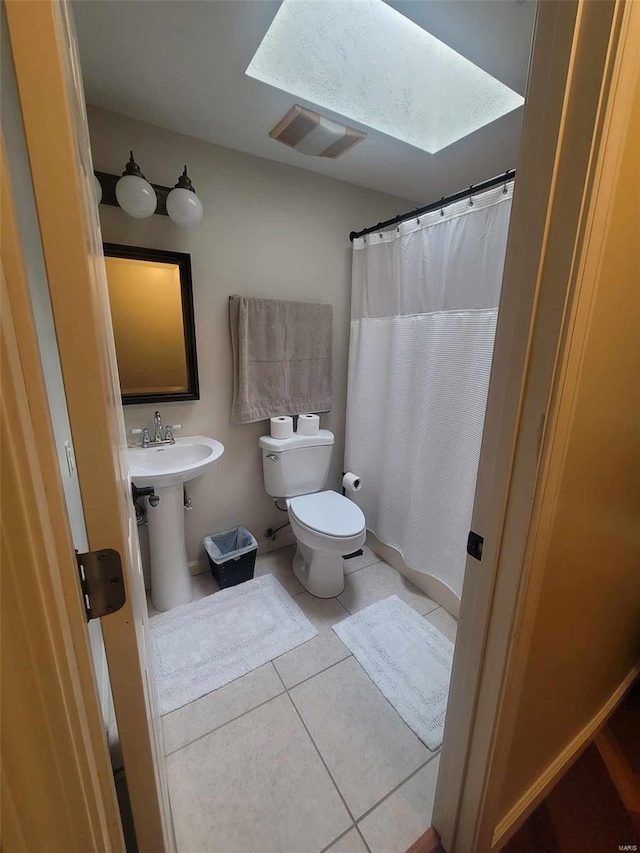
pixel 586 810
pixel 427 843
pixel 626 782
pixel 595 807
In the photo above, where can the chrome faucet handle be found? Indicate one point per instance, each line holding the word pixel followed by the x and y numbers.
pixel 168 431
pixel 157 427
pixel 144 432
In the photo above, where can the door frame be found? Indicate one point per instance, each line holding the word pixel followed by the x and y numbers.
pixel 574 80
pixel 47 70
pixel 621 84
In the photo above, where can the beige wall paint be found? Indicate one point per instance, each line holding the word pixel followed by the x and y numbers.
pixel 269 230
pixel 586 636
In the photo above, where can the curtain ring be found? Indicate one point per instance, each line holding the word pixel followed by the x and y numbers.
pixel 380 234
pixel 365 239
pixel 442 206
pixel 506 177
pixel 471 196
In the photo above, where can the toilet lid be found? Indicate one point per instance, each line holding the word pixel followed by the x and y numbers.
pixel 328 513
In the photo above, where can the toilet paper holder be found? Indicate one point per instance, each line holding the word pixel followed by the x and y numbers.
pixel 351 482
pixel 359 552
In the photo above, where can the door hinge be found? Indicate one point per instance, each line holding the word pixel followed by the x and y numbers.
pixel 474 545
pixel 101 581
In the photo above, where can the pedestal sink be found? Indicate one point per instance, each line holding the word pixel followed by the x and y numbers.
pixel 166 469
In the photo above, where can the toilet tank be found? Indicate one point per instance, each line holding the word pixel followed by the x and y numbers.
pixel 297 465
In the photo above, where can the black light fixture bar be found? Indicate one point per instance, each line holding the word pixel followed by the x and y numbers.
pixel 108 183
pixel 504 178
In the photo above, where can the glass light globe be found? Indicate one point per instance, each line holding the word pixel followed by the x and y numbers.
pixel 97 190
pixel 136 196
pixel 184 207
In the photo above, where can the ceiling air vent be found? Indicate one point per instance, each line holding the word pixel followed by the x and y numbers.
pixel 313 134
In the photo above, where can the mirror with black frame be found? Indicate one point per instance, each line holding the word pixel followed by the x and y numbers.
pixel 151 297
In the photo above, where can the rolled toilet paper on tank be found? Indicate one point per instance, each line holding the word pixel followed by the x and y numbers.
pixel 352 482
pixel 282 427
pixel 308 424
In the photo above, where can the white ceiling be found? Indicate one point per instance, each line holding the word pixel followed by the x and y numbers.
pixel 181 64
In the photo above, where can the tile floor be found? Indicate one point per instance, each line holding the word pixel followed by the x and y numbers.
pixel 304 754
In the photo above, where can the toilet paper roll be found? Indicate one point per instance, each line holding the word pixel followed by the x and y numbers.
pixel 352 482
pixel 282 427
pixel 308 424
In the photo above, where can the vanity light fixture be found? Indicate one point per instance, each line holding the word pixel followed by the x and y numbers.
pixel 139 198
pixel 135 194
pixel 97 190
pixel 183 205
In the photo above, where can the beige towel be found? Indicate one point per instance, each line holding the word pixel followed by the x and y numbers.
pixel 282 361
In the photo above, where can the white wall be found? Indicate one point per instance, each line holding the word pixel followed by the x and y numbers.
pixel 269 230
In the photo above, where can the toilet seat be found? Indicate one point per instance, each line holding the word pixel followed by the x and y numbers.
pixel 328 514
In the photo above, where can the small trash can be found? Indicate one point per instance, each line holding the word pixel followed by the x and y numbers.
pixel 232 556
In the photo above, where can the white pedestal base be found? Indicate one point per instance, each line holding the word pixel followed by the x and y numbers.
pixel 320 572
pixel 170 577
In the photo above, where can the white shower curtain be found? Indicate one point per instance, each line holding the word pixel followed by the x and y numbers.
pixel 424 307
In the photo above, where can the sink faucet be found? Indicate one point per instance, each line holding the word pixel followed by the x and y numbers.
pixel 157 427
pixel 158 437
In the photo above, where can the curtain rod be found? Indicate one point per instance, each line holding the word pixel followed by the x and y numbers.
pixel 507 176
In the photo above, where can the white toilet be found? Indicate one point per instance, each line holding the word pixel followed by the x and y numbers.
pixel 327 525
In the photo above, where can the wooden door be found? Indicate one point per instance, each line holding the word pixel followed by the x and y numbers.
pixel 57 790
pixel 51 97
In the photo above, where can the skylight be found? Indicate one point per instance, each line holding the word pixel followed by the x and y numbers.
pixel 367 62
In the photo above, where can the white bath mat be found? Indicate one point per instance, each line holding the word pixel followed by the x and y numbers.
pixel 208 643
pixel 407 658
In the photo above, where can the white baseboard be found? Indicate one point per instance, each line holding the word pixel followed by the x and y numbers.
pixel 530 800
pixel 197 567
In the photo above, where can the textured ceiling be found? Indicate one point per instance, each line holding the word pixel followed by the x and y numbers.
pixel 181 65
pixel 367 61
